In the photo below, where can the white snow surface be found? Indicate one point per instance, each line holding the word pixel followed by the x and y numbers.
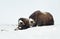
pixel 42 32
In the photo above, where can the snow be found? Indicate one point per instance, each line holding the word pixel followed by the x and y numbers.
pixel 43 32
pixel 12 10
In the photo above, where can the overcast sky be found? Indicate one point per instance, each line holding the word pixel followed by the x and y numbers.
pixel 12 10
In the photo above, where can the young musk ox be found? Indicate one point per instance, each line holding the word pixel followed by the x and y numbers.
pixel 42 18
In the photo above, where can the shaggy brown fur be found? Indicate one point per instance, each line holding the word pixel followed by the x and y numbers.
pixel 42 18
pixel 38 18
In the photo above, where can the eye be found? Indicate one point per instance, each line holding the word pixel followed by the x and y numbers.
pixel 21 23
pixel 31 21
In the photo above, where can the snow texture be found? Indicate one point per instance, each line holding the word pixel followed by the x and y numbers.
pixel 43 32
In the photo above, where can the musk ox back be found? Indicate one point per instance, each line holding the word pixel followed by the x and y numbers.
pixel 42 18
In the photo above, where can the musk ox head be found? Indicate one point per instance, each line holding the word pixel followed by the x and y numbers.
pixel 31 22
pixel 24 23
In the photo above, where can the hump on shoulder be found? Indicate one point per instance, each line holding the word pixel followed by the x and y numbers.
pixel 48 13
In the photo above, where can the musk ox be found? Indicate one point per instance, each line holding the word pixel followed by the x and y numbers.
pixel 24 23
pixel 36 18
pixel 42 18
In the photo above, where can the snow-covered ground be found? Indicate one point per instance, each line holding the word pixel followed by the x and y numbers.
pixel 12 10
pixel 44 32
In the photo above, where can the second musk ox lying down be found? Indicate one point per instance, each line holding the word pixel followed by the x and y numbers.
pixel 42 18
pixel 37 18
